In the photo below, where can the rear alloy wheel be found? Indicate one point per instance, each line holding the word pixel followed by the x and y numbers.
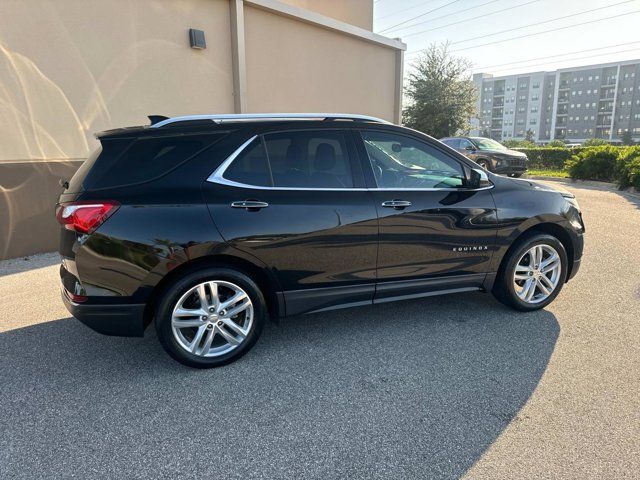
pixel 210 317
pixel 533 274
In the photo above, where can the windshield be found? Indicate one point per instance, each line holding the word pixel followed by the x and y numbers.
pixel 487 144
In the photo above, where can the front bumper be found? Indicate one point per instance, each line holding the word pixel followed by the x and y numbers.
pixel 511 169
pixel 122 320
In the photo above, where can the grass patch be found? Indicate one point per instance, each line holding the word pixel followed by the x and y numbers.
pixel 547 172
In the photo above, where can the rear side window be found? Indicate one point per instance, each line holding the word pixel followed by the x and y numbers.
pixel 251 167
pixel 453 142
pixel 303 159
pixel 309 159
pixel 144 160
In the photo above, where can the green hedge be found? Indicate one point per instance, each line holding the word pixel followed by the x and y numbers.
pixel 549 157
pixel 607 162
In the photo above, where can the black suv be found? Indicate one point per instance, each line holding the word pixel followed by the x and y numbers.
pixel 490 155
pixel 208 225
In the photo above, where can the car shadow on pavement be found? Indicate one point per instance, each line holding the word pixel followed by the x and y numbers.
pixel 404 390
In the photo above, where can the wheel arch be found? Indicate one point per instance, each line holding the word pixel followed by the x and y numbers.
pixel 547 228
pixel 264 280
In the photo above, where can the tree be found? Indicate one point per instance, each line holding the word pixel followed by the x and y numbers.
pixel 529 135
pixel 626 138
pixel 441 99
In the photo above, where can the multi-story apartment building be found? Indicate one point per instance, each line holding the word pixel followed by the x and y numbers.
pixel 574 104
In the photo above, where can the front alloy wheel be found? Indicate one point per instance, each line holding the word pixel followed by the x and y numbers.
pixel 532 273
pixel 537 274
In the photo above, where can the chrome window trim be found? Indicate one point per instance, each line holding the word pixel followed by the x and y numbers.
pixel 250 117
pixel 218 177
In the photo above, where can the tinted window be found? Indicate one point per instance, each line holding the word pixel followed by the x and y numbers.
pixel 309 159
pixel 453 142
pixel 251 167
pixel 145 159
pixel 464 143
pixel 403 162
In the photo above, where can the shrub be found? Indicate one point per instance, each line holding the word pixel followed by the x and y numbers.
pixel 518 144
pixel 548 157
pixel 627 170
pixel 595 142
pixel 595 163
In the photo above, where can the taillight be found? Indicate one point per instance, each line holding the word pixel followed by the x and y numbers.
pixel 85 217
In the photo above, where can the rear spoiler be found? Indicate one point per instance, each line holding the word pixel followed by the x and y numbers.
pixel 154 119
pixel 157 118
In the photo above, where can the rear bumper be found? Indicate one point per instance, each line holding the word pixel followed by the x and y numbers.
pixel 122 320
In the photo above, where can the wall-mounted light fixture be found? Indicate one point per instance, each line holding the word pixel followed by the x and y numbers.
pixel 196 39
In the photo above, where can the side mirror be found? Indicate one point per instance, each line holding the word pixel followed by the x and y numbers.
pixel 470 148
pixel 477 179
pixel 396 147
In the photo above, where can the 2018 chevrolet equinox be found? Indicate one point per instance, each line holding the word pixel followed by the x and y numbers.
pixel 209 225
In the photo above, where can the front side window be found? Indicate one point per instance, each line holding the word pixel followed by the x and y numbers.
pixel 401 162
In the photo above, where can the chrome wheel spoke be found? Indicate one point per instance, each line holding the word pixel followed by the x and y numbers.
pixel 238 308
pixel 235 327
pixel 195 343
pixel 215 299
pixel 543 288
pixel 237 297
pixel 188 323
pixel 207 341
pixel 228 337
pixel 188 312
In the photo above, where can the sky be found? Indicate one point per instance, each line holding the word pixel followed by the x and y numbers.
pixel 548 42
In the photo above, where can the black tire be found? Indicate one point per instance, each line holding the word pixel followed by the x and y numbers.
pixel 172 294
pixel 503 288
pixel 484 164
pixel 516 175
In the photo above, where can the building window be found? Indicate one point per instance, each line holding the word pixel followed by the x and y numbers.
pixel 536 84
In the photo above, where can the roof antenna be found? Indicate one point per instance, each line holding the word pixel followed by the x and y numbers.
pixel 156 118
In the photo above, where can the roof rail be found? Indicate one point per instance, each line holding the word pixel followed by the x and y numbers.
pixel 244 117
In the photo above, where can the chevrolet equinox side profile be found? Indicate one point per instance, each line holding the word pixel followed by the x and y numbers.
pixel 209 225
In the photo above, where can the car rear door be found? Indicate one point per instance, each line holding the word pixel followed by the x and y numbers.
pixel 296 201
pixel 434 233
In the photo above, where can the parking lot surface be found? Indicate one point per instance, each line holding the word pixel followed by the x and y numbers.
pixel 448 387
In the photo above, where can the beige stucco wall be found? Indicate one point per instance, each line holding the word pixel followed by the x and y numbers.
pixel 355 12
pixel 69 68
pixel 300 67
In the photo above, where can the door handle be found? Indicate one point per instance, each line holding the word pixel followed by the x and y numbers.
pixel 397 204
pixel 250 205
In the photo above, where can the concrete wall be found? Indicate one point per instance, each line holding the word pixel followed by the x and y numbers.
pixel 315 69
pixel 70 68
pixel 355 12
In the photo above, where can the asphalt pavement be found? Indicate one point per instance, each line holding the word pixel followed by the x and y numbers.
pixel 457 386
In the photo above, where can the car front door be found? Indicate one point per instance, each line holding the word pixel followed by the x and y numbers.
pixel 296 201
pixel 434 234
